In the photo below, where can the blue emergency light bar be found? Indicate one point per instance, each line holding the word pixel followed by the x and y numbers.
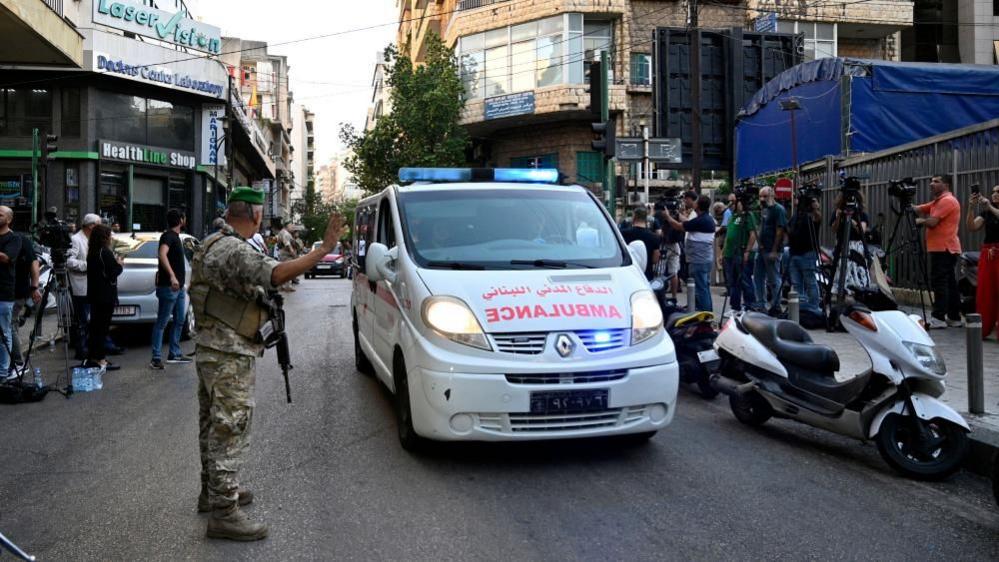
pixel 514 175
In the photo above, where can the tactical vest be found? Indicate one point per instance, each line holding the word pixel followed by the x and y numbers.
pixel 245 317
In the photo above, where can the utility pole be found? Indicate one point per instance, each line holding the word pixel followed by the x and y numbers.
pixel 645 161
pixel 695 97
pixel 609 181
pixel 34 175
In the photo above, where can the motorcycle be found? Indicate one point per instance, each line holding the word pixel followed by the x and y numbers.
pixel 772 368
pixel 967 280
pixel 693 335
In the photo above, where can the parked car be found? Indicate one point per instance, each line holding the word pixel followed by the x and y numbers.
pixel 332 264
pixel 137 302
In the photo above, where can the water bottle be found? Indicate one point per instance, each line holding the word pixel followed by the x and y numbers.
pixel 39 383
pixel 96 380
pixel 81 380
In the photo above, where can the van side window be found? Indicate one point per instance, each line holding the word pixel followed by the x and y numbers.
pixel 386 225
pixel 364 222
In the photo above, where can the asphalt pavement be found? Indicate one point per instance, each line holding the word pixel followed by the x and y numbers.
pixel 113 475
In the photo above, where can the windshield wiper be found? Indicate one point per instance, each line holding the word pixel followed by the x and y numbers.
pixel 455 265
pixel 554 264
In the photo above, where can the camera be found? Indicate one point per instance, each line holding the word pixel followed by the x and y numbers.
pixel 746 191
pixel 903 189
pixel 851 192
pixel 808 193
pixel 54 234
pixel 669 203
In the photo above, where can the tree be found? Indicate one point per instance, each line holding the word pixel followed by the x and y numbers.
pixel 314 213
pixel 423 127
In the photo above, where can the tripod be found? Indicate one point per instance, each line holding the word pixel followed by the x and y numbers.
pixel 59 285
pixel 906 215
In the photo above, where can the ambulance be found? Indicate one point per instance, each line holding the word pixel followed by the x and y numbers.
pixel 498 305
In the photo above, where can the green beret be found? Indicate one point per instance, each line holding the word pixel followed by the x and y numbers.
pixel 247 194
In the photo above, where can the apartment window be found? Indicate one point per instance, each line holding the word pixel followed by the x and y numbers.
pixel 820 38
pixel 641 69
pixel 24 109
pixel 530 55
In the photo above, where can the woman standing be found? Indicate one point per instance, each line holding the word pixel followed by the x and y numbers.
pixel 987 299
pixel 103 269
pixel 858 262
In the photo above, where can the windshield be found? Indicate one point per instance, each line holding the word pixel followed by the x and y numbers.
pixel 502 229
pixel 147 250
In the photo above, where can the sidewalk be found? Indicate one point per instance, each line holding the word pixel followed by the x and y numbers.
pixel 951 344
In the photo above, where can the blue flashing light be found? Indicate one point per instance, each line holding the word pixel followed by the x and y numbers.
pixel 602 337
pixel 529 175
pixel 512 175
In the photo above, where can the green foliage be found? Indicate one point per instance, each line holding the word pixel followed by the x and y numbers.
pixel 315 215
pixel 422 128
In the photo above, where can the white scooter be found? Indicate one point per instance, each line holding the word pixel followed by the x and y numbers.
pixel 771 368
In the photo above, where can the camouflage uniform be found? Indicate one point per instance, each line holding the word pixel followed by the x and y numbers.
pixel 225 361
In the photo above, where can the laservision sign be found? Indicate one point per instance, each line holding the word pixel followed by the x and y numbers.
pixel 176 28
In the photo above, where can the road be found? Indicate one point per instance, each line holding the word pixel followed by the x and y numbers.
pixel 113 475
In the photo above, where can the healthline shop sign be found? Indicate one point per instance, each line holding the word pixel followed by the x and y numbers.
pixel 176 28
pixel 142 154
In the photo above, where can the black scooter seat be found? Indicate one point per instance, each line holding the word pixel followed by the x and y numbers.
pixel 791 343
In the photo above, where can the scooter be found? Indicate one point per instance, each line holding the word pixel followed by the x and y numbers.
pixel 693 335
pixel 772 368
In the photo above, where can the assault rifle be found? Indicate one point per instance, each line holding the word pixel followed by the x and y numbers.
pixel 274 335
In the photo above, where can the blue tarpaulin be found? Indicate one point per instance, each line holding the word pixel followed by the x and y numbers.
pixel 852 105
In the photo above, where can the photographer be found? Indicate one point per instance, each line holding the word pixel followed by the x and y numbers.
pixel 986 299
pixel 699 250
pixel 941 219
pixel 773 225
pixel 857 265
pixel 740 239
pixel 803 236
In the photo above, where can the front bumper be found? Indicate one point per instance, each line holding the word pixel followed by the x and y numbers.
pixel 330 269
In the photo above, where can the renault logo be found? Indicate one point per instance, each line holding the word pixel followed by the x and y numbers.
pixel 564 345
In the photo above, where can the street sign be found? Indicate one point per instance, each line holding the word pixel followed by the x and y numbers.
pixel 766 23
pixel 665 150
pixel 629 149
pixel 782 188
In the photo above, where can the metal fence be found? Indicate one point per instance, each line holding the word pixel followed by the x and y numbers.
pixel 55 5
pixel 970 155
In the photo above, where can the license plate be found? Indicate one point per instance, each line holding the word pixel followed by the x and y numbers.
pixel 323 266
pixel 707 356
pixel 126 310
pixel 569 401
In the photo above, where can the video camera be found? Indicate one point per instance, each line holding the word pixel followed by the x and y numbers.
pixel 746 191
pixel 670 202
pixel 851 193
pixel 54 234
pixel 809 192
pixel 903 190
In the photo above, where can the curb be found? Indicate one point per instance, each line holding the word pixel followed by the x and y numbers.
pixel 984 443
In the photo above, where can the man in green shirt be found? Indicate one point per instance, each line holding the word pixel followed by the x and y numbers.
pixel 738 254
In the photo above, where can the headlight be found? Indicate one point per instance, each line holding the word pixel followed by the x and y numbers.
pixel 928 357
pixel 646 316
pixel 451 318
pixel 339 261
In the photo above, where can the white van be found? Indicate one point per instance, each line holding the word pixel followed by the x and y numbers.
pixel 497 307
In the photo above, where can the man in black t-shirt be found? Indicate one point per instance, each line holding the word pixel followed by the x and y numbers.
pixel 639 230
pixel 26 272
pixel 11 246
pixel 170 291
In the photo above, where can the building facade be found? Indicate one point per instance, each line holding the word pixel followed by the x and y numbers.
pixel 965 31
pixel 420 18
pixel 138 129
pixel 304 145
pixel 381 94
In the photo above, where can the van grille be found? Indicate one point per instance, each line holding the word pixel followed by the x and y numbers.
pixel 567 378
pixel 539 423
pixel 525 343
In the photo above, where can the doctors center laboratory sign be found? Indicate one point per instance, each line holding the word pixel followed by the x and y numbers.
pixel 133 16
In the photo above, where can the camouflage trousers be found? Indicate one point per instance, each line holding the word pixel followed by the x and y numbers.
pixel 225 413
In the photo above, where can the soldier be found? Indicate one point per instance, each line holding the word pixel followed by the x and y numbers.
pixel 227 276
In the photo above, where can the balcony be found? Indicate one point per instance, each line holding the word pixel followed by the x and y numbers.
pixel 563 102
pixel 35 32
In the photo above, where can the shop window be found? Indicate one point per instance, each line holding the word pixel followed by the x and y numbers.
pixel 121 117
pixel 70 112
pixel 148 204
pixel 177 193
pixel 72 181
pixel 820 38
pixel 589 167
pixel 641 69
pixel 112 198
pixel 542 161
pixel 170 125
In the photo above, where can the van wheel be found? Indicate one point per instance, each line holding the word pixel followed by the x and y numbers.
pixel 408 437
pixel 361 362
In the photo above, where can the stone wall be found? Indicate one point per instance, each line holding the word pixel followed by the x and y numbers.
pixel 552 99
pixel 565 139
pixel 860 48
pixel 885 12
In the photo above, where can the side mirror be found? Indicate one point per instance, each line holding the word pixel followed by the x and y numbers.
pixel 638 253
pixel 378 261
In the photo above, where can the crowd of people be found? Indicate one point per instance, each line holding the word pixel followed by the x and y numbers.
pixel 760 248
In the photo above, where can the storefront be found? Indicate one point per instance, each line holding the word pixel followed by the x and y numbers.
pixel 139 183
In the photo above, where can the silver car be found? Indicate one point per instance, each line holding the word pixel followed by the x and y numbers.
pixel 137 302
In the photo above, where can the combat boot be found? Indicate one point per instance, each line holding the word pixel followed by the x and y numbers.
pixel 204 506
pixel 233 524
